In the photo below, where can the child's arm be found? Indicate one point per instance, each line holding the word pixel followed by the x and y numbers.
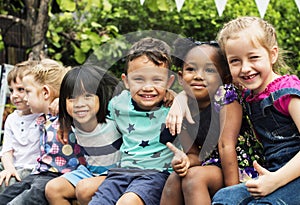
pixel 169 98
pixel 178 110
pixel 186 158
pixel 267 181
pixel 53 107
pixel 230 125
pixel 180 161
pixel 9 168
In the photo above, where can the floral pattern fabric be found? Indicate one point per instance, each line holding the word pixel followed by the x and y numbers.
pixel 248 146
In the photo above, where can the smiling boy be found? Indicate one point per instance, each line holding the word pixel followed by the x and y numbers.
pixel 140 116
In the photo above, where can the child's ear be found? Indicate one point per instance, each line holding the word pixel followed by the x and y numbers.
pixel 274 54
pixel 170 81
pixel 46 92
pixel 179 75
pixel 125 80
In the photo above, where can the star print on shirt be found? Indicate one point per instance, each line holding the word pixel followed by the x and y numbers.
pixel 144 144
pixel 156 155
pixel 150 115
pixel 117 112
pixel 167 165
pixel 130 127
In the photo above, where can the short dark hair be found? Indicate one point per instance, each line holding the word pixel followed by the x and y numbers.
pixel 156 50
pixel 87 78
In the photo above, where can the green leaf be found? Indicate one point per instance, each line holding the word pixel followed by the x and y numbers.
pixel 85 46
pixel 1 43
pixel 96 25
pixel 106 5
pixel 78 54
pixel 57 56
pixel 66 5
pixel 163 6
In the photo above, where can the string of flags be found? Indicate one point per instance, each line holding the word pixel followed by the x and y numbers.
pixel 262 5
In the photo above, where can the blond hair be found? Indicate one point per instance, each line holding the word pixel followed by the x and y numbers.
pixel 264 35
pixel 48 72
pixel 19 69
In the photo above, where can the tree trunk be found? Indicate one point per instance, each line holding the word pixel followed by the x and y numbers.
pixel 37 24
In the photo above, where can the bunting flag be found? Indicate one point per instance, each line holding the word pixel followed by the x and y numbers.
pixel 220 6
pixel 179 4
pixel 262 6
pixel 298 4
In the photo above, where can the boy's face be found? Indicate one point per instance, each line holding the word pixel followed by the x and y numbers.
pixel 17 94
pixel 35 95
pixel 147 82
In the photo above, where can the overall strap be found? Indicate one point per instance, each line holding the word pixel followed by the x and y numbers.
pixel 276 95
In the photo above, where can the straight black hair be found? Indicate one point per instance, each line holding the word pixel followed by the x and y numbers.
pixel 87 78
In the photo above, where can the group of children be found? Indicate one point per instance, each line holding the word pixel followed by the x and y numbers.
pixel 111 145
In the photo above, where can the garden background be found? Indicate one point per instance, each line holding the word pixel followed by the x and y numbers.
pixel 71 30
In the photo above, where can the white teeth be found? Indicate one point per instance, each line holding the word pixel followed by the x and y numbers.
pixel 81 112
pixel 147 96
pixel 249 77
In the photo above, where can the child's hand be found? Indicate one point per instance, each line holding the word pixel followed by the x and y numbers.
pixel 62 136
pixel 53 107
pixel 5 176
pixel 178 110
pixel 180 161
pixel 264 184
pixel 169 97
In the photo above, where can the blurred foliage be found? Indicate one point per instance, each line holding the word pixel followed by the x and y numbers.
pixel 79 27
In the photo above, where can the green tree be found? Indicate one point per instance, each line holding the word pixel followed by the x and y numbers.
pixel 33 16
pixel 77 28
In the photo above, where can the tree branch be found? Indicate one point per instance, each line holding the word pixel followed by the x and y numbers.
pixel 13 19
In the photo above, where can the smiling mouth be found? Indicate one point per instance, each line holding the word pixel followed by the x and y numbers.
pixel 198 86
pixel 249 77
pixel 147 96
pixel 81 113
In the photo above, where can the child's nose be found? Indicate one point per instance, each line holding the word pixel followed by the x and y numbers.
pixel 245 67
pixel 198 75
pixel 148 87
pixel 25 98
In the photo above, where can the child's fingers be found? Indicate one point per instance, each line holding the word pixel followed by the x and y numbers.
pixel 171 124
pixel 188 116
pixel 18 177
pixel 174 149
pixel 178 125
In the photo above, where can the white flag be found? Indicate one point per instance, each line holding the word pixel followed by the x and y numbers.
pixel 298 4
pixel 142 2
pixel 220 6
pixel 262 6
pixel 179 4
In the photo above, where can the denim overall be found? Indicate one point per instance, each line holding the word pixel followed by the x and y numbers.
pixel 281 141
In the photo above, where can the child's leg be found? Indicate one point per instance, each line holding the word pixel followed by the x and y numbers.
pixel 34 192
pixel 130 198
pixel 172 193
pixel 145 189
pixel 86 188
pixel 201 183
pixel 59 191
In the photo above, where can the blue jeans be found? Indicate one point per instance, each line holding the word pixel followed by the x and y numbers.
pixel 238 195
pixel 29 191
